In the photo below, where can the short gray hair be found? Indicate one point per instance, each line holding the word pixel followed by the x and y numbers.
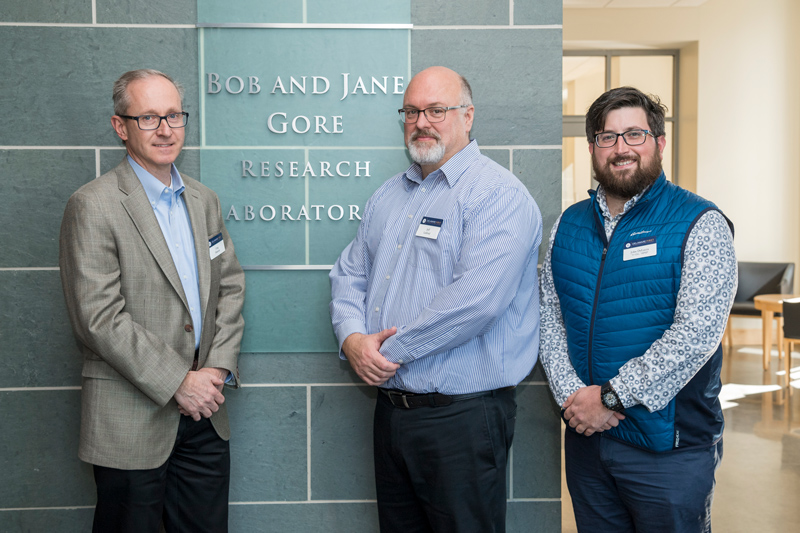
pixel 120 93
pixel 466 91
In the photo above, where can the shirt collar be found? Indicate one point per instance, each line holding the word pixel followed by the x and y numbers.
pixel 603 203
pixel 452 169
pixel 153 187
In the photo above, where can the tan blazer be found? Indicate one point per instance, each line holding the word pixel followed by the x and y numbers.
pixel 130 316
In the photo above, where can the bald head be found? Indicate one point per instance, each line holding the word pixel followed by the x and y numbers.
pixel 443 76
pixel 432 144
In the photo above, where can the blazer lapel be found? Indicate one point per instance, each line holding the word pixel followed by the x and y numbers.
pixel 141 212
pixel 197 217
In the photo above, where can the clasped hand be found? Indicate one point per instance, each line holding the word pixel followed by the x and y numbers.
pixel 584 412
pixel 200 394
pixel 362 353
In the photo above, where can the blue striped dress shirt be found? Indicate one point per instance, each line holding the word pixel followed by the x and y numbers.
pixel 170 211
pixel 466 304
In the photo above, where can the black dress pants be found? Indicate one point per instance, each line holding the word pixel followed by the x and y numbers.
pixel 443 469
pixel 189 492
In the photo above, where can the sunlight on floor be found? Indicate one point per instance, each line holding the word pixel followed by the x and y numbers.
pixel 735 391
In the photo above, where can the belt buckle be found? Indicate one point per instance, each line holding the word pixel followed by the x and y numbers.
pixel 395 394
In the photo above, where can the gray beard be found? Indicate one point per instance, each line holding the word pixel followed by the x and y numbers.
pixel 426 156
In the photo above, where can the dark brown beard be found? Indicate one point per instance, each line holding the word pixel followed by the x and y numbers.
pixel 627 188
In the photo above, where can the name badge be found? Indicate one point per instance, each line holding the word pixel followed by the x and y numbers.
pixel 429 228
pixel 639 248
pixel 216 245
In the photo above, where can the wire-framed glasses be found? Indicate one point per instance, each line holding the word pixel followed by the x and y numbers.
pixel 409 115
pixel 152 122
pixel 607 139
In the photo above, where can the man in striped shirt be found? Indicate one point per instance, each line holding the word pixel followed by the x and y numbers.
pixel 436 302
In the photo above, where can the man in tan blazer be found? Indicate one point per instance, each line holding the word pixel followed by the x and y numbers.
pixel 154 293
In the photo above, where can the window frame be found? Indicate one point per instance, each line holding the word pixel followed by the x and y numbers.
pixel 575 125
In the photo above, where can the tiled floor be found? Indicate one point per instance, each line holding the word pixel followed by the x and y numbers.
pixel 758 482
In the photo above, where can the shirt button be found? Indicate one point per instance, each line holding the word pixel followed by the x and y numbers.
pixel 387 277
pixel 400 361
pixel 377 309
pixel 410 216
pixel 423 189
pixel 399 246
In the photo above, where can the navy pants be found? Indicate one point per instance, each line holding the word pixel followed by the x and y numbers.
pixel 621 488
pixel 443 469
pixel 189 492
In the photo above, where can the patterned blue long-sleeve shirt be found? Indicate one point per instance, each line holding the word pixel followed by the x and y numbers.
pixel 465 303
pixel 705 295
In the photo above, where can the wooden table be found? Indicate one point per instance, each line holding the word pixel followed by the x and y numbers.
pixel 769 304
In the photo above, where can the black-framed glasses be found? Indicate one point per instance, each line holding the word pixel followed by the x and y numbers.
pixel 410 115
pixel 152 122
pixel 607 139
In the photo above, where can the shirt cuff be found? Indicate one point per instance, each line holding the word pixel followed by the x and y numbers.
pixel 395 352
pixel 347 328
pixel 623 392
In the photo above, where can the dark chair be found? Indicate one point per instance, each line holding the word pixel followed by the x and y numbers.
pixel 760 278
pixel 791 332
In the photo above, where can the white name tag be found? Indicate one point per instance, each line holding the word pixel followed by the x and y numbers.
pixel 429 228
pixel 216 245
pixel 639 249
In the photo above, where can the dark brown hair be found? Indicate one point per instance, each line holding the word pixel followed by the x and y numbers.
pixel 625 97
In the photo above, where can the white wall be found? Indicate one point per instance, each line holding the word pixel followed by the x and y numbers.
pixel 748 115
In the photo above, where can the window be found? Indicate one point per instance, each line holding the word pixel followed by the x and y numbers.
pixel 587 75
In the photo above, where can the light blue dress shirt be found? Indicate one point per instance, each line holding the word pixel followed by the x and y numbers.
pixel 466 304
pixel 173 218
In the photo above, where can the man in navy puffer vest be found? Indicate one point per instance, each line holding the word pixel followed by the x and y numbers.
pixel 636 290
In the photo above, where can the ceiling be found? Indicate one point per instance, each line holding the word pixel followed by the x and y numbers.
pixel 572 4
pixel 610 4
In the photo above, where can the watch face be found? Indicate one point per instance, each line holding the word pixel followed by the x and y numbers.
pixel 610 399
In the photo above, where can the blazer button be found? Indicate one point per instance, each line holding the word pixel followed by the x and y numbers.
pixel 188 328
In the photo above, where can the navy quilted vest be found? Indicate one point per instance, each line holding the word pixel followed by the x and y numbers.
pixel 614 309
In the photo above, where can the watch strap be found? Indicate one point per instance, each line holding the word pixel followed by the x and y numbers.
pixel 610 398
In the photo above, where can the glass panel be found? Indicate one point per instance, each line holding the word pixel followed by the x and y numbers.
pixel 666 162
pixel 649 74
pixel 583 81
pixel 576 171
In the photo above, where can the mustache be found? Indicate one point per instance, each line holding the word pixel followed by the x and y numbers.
pixel 426 133
pixel 618 158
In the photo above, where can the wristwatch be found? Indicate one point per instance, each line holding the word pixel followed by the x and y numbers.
pixel 609 397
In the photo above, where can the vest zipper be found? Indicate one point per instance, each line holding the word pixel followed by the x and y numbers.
pixel 601 229
pixel 594 312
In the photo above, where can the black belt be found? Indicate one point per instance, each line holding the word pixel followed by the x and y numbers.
pixel 410 400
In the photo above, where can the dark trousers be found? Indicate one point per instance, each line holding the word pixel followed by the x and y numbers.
pixel 443 469
pixel 621 488
pixel 189 492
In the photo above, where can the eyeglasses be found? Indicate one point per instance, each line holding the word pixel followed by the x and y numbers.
pixel 433 114
pixel 607 139
pixel 152 122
